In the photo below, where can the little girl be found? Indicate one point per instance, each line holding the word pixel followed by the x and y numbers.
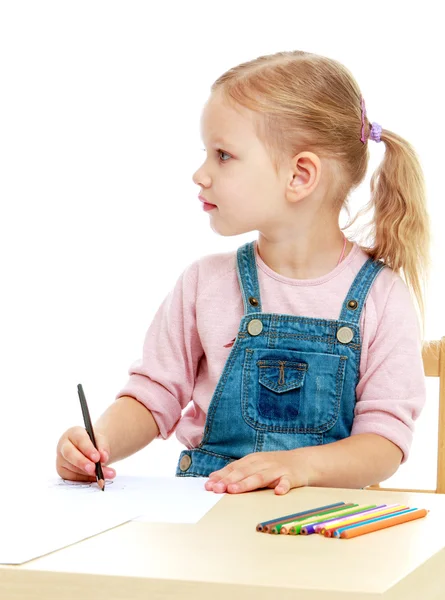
pixel 295 360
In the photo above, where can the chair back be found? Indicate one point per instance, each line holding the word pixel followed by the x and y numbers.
pixel 433 355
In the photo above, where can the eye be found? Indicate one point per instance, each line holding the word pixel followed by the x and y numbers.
pixel 219 151
pixel 222 152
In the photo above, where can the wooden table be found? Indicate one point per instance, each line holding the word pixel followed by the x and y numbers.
pixel 223 556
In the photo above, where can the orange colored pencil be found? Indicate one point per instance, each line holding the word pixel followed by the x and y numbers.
pixel 329 528
pixel 383 523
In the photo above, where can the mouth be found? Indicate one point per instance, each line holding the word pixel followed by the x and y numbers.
pixel 206 205
pixel 204 201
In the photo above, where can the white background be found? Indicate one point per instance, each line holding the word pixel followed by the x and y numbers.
pixel 99 137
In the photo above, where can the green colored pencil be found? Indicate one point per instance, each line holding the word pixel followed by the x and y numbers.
pixel 265 525
pixel 296 529
pixel 290 518
pixel 310 519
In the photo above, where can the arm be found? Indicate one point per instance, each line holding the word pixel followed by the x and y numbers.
pixel 354 462
pixel 125 427
pixel 162 381
pixel 128 426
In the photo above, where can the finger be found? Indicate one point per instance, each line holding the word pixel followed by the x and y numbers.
pixel 235 471
pixel 71 475
pixel 273 484
pixel 240 471
pixel 218 478
pixel 104 456
pixel 81 440
pixel 74 457
pixel 254 481
pixel 108 472
pixel 63 468
pixel 217 475
pixel 69 467
pixel 209 484
pixel 102 446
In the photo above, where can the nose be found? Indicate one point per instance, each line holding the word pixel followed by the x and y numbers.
pixel 201 178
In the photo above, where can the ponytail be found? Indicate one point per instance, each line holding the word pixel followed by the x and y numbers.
pixel 400 228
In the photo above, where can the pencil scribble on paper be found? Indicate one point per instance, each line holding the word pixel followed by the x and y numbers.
pixel 64 483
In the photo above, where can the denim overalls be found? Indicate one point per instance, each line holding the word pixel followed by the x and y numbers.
pixel 288 382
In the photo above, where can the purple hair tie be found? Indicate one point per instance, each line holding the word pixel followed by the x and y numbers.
pixel 376 132
pixel 376 129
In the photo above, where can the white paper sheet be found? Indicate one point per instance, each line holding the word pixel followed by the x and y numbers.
pixel 40 518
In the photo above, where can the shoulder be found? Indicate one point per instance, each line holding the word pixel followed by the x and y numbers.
pixel 389 302
pixel 210 271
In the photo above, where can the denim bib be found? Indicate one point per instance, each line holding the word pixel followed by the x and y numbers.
pixel 288 381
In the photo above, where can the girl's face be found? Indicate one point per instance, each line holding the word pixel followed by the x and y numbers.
pixel 238 175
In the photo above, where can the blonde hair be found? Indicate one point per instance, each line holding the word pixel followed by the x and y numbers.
pixel 303 101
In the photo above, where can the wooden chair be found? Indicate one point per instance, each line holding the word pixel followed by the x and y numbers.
pixel 433 355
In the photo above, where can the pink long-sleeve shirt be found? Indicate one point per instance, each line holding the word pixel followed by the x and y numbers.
pixel 188 343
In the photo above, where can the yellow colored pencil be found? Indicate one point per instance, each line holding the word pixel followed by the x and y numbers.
pixel 329 529
pixel 384 523
pixel 321 518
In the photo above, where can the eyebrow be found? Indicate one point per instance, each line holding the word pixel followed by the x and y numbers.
pixel 221 141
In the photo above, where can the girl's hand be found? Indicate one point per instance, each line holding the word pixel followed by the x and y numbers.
pixel 280 470
pixel 76 455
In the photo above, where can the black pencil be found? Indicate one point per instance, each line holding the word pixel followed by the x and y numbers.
pixel 89 428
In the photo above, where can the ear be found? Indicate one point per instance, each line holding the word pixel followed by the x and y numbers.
pixel 304 176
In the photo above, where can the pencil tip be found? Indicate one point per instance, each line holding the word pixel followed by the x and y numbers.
pixel 101 484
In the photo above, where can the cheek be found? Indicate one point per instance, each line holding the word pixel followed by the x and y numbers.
pixel 244 189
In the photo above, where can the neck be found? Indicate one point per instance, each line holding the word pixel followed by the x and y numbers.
pixel 304 256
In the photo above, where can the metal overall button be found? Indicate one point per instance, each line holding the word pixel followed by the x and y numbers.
pixel 185 462
pixel 253 301
pixel 255 327
pixel 345 335
pixel 352 304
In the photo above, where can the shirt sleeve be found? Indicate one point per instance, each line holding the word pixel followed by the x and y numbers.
pixel 163 379
pixel 392 391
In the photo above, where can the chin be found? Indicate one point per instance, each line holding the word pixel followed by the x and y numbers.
pixel 229 231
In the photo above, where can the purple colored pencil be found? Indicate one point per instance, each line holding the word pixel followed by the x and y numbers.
pixel 265 525
pixel 315 527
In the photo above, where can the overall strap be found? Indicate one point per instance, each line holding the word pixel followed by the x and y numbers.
pixel 248 278
pixel 359 290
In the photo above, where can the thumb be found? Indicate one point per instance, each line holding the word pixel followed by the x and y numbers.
pixel 283 486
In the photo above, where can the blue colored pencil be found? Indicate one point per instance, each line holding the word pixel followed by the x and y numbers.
pixel 309 512
pixel 309 529
pixel 337 533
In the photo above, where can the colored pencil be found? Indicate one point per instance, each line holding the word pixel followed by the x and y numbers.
pixel 339 530
pixel 260 526
pixel 328 530
pixel 315 511
pixel 383 523
pixel 317 525
pixel 308 518
pixel 344 513
pixel 284 528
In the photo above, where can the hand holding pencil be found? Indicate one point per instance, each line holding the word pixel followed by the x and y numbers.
pixel 90 432
pixel 77 456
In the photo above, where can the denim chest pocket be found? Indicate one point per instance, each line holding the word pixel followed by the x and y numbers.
pixel 290 391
